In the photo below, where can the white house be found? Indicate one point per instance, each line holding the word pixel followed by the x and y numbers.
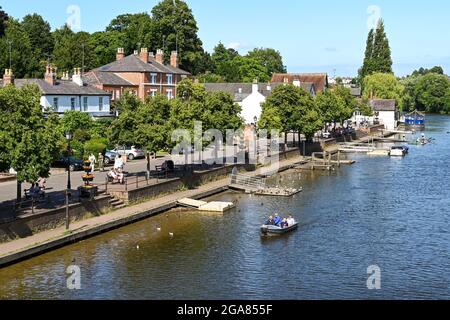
pixel 251 96
pixel 61 95
pixel 385 112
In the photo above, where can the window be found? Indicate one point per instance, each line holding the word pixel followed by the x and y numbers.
pixel 100 104
pixel 117 94
pixel 55 104
pixel 169 79
pixel 153 92
pixel 153 78
pixel 169 94
pixel 85 104
pixel 72 104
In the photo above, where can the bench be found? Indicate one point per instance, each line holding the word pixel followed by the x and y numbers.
pixel 167 167
pixel 40 196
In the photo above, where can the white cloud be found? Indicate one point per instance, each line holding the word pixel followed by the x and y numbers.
pixel 237 45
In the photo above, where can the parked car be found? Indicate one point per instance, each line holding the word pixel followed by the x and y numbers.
pixel 63 162
pixel 131 153
pixel 109 158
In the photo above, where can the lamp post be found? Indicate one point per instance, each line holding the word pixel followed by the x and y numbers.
pixel 69 139
pixel 69 187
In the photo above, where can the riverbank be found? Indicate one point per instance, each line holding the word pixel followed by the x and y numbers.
pixel 22 249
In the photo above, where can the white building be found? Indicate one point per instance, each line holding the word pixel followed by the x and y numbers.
pixel 61 95
pixel 385 112
pixel 251 96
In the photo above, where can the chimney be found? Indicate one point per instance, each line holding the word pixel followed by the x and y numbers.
pixel 50 75
pixel 76 78
pixel 65 76
pixel 143 55
pixel 160 56
pixel 8 78
pixel 174 59
pixel 120 54
pixel 255 86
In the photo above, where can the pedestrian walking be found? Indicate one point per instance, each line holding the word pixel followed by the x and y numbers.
pixel 92 160
pixel 101 162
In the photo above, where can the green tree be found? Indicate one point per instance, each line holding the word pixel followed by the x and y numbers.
pixel 377 58
pixel 31 142
pixel 383 86
pixel 209 77
pixel 176 28
pixel 250 70
pixel 105 45
pixel 73 121
pixel 21 50
pixel 432 91
pixel 134 31
pixel 291 105
pixel 123 129
pixel 423 71
pixel 331 106
pixel 268 58
pixel 41 40
pixel 381 51
pixel 3 18
pixel 73 49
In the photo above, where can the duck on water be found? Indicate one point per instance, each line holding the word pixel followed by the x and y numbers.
pixel 278 226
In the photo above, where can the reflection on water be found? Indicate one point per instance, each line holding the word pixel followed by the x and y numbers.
pixel 393 213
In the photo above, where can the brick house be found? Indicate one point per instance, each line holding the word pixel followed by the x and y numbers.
pixel 142 73
pixel 320 80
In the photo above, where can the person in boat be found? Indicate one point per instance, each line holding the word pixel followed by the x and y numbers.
pixel 284 223
pixel 277 219
pixel 290 221
pixel 270 222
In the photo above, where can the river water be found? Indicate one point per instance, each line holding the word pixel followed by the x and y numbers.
pixel 392 213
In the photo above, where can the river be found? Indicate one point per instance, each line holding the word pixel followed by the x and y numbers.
pixel 392 213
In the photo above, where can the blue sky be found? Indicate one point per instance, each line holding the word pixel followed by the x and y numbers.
pixel 311 35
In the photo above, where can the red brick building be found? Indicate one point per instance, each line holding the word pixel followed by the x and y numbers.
pixel 320 80
pixel 142 73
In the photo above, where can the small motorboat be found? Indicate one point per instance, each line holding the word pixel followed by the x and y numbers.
pixel 276 230
pixel 398 151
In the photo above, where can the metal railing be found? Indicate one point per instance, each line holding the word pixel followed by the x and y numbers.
pixel 248 182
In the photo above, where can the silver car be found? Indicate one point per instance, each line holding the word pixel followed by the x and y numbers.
pixel 130 152
pixel 109 158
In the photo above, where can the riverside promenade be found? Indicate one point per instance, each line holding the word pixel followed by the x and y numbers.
pixel 25 248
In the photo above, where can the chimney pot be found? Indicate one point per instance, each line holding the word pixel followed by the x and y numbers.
pixel 174 59
pixel 50 76
pixel 120 54
pixel 77 78
pixel 160 56
pixel 144 55
pixel 8 77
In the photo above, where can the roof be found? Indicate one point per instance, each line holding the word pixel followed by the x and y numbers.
pixel 240 91
pixel 355 91
pixel 133 63
pixel 320 80
pixel 105 78
pixel 383 105
pixel 61 87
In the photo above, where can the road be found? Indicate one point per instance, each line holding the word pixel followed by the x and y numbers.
pixel 58 181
